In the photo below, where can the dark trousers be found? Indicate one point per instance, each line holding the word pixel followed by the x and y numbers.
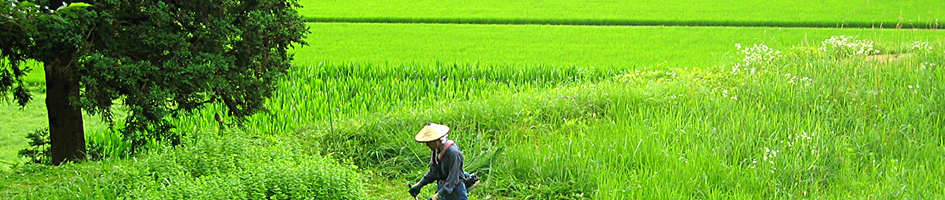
pixel 459 192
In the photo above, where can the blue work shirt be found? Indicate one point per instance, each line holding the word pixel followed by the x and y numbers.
pixel 447 171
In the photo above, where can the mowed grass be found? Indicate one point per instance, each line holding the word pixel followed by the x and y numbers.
pixel 557 46
pixel 19 121
pixel 791 13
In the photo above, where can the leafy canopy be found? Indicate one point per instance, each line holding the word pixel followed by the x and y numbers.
pixel 158 57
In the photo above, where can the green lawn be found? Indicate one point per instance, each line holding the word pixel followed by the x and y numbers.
pixel 804 13
pixel 36 75
pixel 17 122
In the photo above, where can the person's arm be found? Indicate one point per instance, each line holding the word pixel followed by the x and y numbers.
pixel 428 178
pixel 455 174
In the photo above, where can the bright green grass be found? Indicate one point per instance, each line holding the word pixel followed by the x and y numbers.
pixel 670 132
pixel 564 123
pixel 808 125
pixel 36 74
pixel 531 45
pixel 17 122
pixel 860 129
pixel 846 13
pixel 603 47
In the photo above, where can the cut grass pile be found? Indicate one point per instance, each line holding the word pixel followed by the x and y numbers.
pixel 789 13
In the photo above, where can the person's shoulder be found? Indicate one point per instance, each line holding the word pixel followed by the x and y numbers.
pixel 453 149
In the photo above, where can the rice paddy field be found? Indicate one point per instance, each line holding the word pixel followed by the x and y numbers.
pixel 618 47
pixel 789 13
pixel 728 106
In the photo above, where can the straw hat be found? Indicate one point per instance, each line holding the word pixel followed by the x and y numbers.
pixel 431 132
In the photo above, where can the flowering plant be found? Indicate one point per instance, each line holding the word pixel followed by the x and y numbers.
pixel 847 46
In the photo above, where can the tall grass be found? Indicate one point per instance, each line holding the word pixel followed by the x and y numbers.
pixel 238 166
pixel 817 120
pixel 790 13
pixel 809 125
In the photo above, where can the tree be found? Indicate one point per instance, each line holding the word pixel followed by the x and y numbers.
pixel 159 58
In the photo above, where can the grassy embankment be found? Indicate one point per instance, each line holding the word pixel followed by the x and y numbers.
pixel 792 13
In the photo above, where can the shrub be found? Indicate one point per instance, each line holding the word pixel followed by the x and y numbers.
pixel 38 152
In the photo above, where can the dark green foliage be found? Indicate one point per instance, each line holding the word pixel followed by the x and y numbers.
pixel 159 58
pixel 38 152
pixel 15 27
pixel 162 58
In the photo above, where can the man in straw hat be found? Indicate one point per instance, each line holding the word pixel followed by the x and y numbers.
pixel 446 165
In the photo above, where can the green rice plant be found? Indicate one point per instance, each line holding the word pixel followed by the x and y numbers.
pixel 791 13
pixel 610 48
pixel 322 92
pixel 601 47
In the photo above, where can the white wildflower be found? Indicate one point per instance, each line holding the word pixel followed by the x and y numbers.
pixel 914 89
pixel 848 46
pixel 921 46
pixel 759 55
pixel 769 155
pixel 807 81
pixel 926 65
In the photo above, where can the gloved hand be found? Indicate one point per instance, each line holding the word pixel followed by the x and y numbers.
pixel 434 197
pixel 415 190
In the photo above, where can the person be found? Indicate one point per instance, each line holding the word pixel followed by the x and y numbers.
pixel 446 165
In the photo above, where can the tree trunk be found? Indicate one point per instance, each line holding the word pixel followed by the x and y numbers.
pixel 66 134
